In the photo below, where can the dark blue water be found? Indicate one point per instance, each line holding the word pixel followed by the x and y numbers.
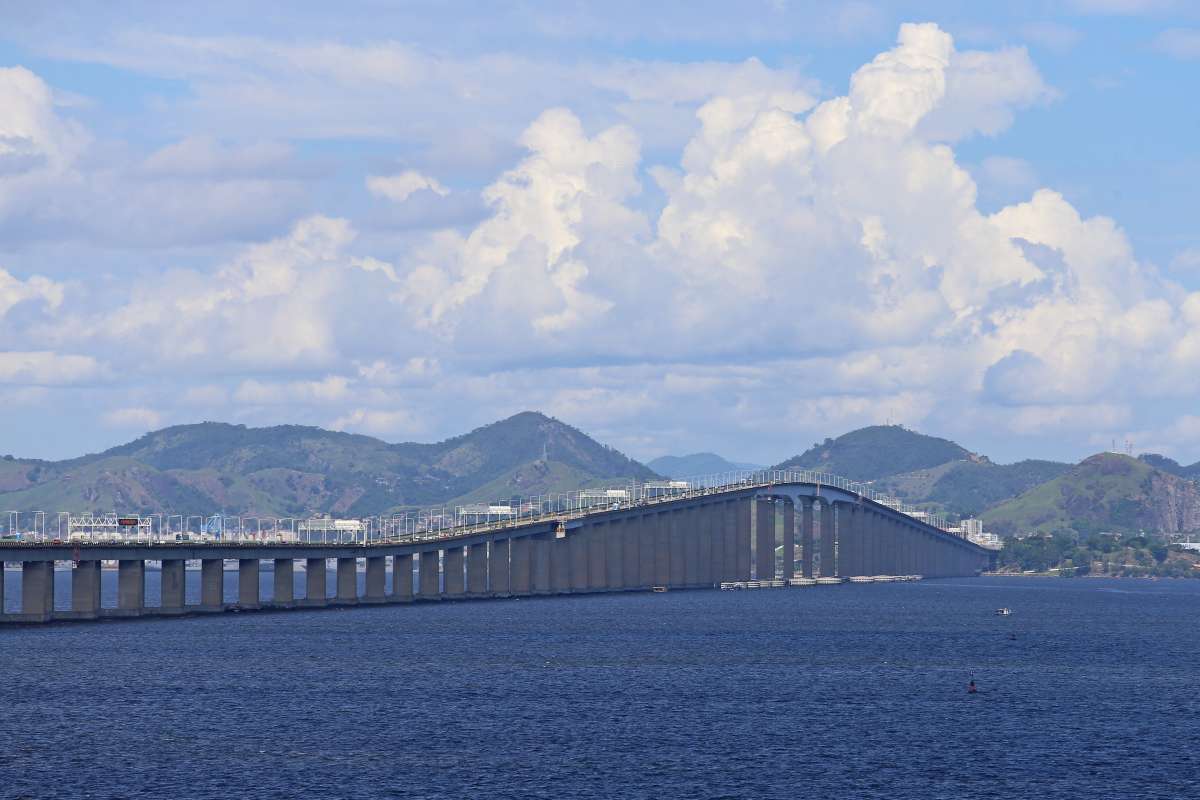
pixel 851 691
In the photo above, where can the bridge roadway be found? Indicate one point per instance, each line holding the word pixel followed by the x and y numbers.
pixel 698 540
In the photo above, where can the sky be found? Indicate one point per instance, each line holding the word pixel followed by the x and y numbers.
pixel 678 226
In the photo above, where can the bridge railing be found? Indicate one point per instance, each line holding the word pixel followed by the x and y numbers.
pixel 443 522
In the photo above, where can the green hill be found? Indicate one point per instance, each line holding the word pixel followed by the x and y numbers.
pixel 871 453
pixel 292 470
pixel 693 465
pixel 966 488
pixel 1105 493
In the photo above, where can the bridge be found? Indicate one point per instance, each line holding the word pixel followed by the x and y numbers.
pixel 761 526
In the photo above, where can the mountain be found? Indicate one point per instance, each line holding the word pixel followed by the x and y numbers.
pixel 292 470
pixel 878 451
pixel 1191 472
pixel 966 488
pixel 1107 492
pixel 695 464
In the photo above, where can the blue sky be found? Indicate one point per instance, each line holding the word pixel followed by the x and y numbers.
pixel 679 226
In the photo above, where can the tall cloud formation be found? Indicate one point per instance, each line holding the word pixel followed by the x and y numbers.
pixel 811 266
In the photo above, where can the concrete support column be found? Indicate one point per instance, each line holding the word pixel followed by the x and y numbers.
pixel 597 558
pixel 807 539
pixel 742 519
pixel 499 582
pixel 376 584
pixel 614 556
pixel 764 539
pixel 453 564
pixel 849 540
pixel 677 530
pixel 631 553
pixel 248 591
pixel 283 588
pixel 212 584
pixel 85 590
pixel 789 540
pixel 347 581
pixel 729 541
pixel 691 546
pixel 702 533
pixel 561 553
pixel 540 545
pixel 37 590
pixel 402 578
pixel 316 591
pixel 131 587
pixel 477 570
pixel 521 566
pixel 647 533
pixel 1 586
pixel 428 577
pixel 577 550
pixel 828 534
pixel 662 548
pixel 172 582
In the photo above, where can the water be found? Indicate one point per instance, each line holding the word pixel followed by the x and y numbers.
pixel 851 691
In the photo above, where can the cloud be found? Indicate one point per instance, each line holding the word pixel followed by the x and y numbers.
pixel 1180 43
pixel 1121 6
pixel 1186 261
pixel 803 266
pixel 35 288
pixel 45 368
pixel 137 418
pixel 397 188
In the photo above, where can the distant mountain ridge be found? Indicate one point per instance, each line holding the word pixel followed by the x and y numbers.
pixel 877 451
pixel 694 465
pixel 292 470
pixel 1108 492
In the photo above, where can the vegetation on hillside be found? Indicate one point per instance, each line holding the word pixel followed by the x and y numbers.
pixel 1105 493
pixel 291 470
pixel 691 465
pixel 878 451
pixel 1099 554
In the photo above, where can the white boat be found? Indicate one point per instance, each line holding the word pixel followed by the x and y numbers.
pixel 1003 612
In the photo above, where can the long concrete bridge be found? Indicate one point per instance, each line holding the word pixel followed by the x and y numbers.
pixel 772 526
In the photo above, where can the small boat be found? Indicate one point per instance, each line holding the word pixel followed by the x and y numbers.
pixel 658 589
pixel 1003 612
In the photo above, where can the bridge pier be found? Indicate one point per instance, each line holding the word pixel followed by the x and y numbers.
pixel 453 563
pixel 614 556
pixel 789 539
pixel 702 533
pixel 597 575
pixel 677 530
pixel 37 591
pixel 764 539
pixel 743 534
pixel 807 539
pixel 521 566
pixel 647 548
pixel 248 583
pixel 631 554
pixel 477 570
pixel 131 588
pixel 316 591
pixel 283 583
pixel 212 584
pixel 690 519
pixel 375 590
pixel 540 545
pixel 498 568
pixel 576 552
pixel 172 586
pixel 429 587
pixel 828 527
pixel 347 581
pixel 402 578
pixel 85 590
